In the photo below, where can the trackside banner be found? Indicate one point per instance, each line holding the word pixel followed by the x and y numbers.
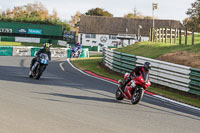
pixel 21 51
pixel 27 39
pixel 6 50
pixel 58 52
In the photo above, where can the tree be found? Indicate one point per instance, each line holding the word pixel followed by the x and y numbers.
pixel 33 13
pixel 148 17
pixel 75 20
pixel 129 15
pixel 194 16
pixel 98 12
pixel 136 16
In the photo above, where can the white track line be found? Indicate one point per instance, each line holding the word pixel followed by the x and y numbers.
pixel 62 66
pixel 176 102
pixel 156 96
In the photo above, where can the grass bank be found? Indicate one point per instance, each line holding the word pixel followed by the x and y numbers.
pixel 154 50
pixel 95 65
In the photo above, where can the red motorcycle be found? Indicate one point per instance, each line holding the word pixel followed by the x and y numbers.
pixel 134 90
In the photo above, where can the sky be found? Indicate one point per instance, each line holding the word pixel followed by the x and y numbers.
pixel 167 9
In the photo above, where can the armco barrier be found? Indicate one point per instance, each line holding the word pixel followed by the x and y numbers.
pixel 6 50
pixel 168 74
pixel 119 62
pixel 164 73
pixel 194 84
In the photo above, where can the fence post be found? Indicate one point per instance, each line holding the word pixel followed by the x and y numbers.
pixel 162 35
pixel 180 37
pixel 159 34
pixel 156 35
pixel 186 36
pixel 165 35
pixel 150 34
pixel 170 35
pixel 175 33
pixel 153 34
pixel 192 36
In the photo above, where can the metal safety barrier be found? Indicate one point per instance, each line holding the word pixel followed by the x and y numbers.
pixel 163 73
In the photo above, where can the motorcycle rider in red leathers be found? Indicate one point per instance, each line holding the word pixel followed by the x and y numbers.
pixel 137 71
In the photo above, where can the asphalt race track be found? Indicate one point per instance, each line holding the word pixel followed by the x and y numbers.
pixel 67 101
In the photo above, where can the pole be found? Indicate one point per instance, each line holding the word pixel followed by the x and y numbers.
pixel 154 7
pixel 153 14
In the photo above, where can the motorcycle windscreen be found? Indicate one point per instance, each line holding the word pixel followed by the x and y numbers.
pixel 44 58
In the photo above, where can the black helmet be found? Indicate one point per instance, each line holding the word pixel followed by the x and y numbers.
pixel 147 66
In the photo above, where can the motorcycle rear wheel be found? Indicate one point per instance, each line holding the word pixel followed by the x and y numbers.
pixel 119 95
pixel 138 96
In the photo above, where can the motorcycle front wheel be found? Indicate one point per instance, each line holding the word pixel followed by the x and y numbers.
pixel 119 95
pixel 39 72
pixel 137 96
pixel 30 74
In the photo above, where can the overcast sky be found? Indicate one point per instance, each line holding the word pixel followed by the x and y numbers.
pixel 167 9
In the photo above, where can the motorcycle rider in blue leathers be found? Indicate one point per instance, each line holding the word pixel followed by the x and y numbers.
pixel 45 49
pixel 77 48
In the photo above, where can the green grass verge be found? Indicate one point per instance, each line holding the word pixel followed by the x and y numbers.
pixel 97 55
pixel 4 43
pixel 176 96
pixel 95 66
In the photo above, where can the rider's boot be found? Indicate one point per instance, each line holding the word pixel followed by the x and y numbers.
pixel 122 87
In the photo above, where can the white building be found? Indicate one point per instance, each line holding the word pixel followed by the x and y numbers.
pixel 115 31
